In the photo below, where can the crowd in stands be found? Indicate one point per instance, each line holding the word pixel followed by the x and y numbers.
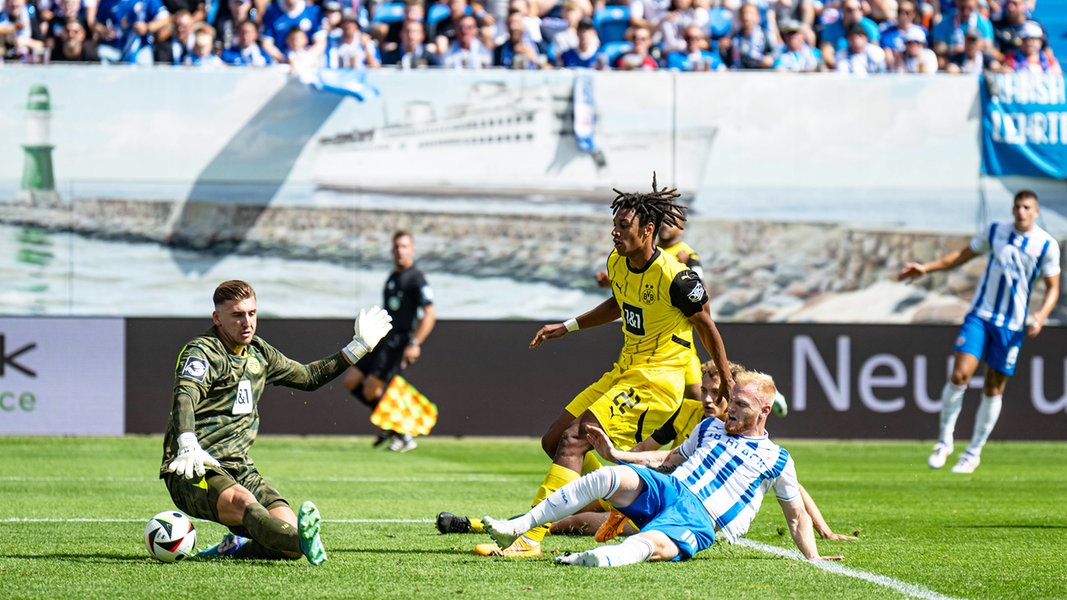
pixel 854 36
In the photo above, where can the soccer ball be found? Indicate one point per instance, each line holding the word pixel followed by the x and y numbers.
pixel 170 536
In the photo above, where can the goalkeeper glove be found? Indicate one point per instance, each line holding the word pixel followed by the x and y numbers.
pixel 370 327
pixel 191 457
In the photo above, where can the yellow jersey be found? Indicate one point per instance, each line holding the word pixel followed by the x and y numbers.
pixel 656 303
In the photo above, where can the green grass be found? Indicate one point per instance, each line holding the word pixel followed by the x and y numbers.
pixel 72 512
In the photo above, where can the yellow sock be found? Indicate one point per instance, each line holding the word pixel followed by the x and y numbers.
pixel 476 526
pixel 556 478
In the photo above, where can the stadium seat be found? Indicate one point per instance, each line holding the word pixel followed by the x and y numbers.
pixel 1053 15
pixel 389 12
pixel 436 13
pixel 612 50
pixel 721 22
pixel 611 23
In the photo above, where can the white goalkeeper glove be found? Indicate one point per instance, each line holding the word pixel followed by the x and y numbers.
pixel 370 327
pixel 191 457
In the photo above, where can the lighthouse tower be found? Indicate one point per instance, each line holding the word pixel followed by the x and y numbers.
pixel 38 181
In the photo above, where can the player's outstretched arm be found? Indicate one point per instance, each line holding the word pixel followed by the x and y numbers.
pixel 818 521
pixel 605 312
pixel 800 529
pixel 913 270
pixel 712 341
pixel 191 458
pixel 370 327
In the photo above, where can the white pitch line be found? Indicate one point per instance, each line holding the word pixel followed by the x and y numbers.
pixel 909 589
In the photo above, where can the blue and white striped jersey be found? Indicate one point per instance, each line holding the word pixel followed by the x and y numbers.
pixel 1016 261
pixel 731 473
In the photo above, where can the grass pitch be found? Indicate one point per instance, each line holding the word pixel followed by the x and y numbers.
pixel 72 512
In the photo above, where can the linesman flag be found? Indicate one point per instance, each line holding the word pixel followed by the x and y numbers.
pixel 404 409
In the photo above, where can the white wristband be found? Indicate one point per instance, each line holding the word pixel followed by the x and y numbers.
pixel 571 324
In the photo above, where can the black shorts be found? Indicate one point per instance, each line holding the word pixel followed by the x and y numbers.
pixel 384 361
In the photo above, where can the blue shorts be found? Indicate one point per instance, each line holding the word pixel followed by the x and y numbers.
pixel 997 347
pixel 667 506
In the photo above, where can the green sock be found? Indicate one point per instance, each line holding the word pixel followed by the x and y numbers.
pixel 270 531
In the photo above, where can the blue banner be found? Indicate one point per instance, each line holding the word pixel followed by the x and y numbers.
pixel 1024 125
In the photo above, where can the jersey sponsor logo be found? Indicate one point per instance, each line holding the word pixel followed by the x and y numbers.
pixel 242 403
pixel 634 317
pixel 648 293
pixel 195 368
pixel 697 293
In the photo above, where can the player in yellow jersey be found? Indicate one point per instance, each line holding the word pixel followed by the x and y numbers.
pixel 661 303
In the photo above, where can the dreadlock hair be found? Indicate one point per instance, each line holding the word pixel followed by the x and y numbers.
pixel 657 207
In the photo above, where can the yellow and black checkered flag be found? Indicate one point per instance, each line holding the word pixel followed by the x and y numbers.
pixel 404 409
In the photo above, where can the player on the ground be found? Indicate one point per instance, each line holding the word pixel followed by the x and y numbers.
pixel 661 303
pixel 214 419
pixel 680 498
pixel 993 330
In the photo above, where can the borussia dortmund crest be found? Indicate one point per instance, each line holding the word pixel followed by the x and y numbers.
pixel 648 294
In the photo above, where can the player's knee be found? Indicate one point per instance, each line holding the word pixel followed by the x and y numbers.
pixel 573 443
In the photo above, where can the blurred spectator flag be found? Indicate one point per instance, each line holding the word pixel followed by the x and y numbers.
pixel 1024 125
pixel 584 112
pixel 347 82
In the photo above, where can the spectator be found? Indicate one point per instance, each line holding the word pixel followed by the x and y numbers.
pixel 639 57
pixel 176 42
pixel 150 17
pixel 444 33
pixel 917 58
pixel 20 31
pixel 892 32
pixel 648 13
pixel 246 52
pixel 530 18
pixel 948 35
pixel 467 52
pixel 567 38
pixel 586 54
pixel 279 21
pixel 696 56
pixel 203 53
pixel 835 35
pixel 353 49
pixel 798 11
pixel 673 28
pixel 108 31
pixel 797 55
pixel 1006 30
pixel 303 58
pixel 1030 58
pixel 860 56
pixel 55 31
pixel 412 53
pixel 972 59
pixel 73 46
pixel 228 16
pixel 387 35
pixel 518 51
pixel 751 47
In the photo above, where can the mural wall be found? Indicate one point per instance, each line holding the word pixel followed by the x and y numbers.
pixel 805 193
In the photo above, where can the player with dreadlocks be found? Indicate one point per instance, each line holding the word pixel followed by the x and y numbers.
pixel 661 303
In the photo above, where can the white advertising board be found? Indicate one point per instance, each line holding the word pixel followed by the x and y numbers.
pixel 62 376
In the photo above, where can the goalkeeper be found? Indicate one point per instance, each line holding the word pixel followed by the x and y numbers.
pixel 214 418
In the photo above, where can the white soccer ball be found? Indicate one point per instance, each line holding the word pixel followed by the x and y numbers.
pixel 170 536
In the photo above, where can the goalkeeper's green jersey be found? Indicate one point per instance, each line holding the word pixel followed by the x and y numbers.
pixel 217 392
